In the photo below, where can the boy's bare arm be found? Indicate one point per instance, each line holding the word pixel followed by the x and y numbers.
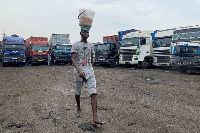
pixel 80 72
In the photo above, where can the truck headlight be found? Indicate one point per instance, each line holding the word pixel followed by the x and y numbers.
pixel 6 54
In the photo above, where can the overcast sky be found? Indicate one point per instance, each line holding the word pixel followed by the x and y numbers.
pixel 43 17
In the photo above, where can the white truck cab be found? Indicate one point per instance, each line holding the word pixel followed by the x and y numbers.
pixel 137 49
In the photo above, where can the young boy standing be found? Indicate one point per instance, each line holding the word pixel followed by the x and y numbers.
pixel 82 59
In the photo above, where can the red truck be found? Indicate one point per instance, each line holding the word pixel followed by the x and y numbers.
pixel 37 50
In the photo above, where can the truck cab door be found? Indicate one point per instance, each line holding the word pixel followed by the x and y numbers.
pixel 145 48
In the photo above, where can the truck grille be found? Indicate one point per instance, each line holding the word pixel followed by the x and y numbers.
pixel 66 53
pixel 163 59
pixel 41 56
pixel 14 54
pixel 127 57
pixel 187 49
pixel 128 51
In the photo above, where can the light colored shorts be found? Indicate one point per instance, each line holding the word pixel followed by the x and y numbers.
pixel 90 83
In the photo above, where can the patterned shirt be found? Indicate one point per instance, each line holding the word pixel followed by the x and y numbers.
pixel 83 51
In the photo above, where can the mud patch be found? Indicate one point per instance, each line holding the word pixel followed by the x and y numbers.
pixel 87 126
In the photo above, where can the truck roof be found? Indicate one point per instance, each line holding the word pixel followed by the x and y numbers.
pixel 138 34
pixel 13 38
pixel 164 33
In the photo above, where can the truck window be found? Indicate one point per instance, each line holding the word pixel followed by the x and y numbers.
pixel 162 42
pixel 103 47
pixel 143 41
pixel 14 47
pixel 130 42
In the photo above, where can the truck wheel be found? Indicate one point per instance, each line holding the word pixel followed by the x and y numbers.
pixel 116 63
pixel 145 64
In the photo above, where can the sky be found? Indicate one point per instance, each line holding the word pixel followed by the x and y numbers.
pixel 41 18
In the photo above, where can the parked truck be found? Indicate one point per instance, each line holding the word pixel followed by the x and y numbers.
pixel 156 51
pixel 161 46
pixel 37 49
pixel 61 54
pixel 185 48
pixel 13 50
pixel 107 52
pixel 137 49
pixel 60 48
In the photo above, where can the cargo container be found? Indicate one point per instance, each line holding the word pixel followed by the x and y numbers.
pixel 37 50
pixel 112 38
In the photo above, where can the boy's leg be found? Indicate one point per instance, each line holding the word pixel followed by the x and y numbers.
pixel 94 106
pixel 91 86
pixel 77 97
pixel 78 85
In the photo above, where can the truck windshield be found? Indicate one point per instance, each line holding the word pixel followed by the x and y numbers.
pixel 14 47
pixel 186 36
pixel 126 42
pixel 162 42
pixel 64 47
pixel 39 48
pixel 103 47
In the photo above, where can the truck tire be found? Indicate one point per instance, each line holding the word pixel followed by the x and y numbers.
pixel 145 64
pixel 116 62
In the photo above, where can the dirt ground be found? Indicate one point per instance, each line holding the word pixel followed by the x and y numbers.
pixel 40 99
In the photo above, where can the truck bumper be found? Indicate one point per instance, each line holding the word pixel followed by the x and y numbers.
pixel 13 60
pixel 104 61
pixel 63 59
pixel 185 61
pixel 39 60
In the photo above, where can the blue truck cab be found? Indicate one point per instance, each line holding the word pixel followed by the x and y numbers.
pixel 13 50
pixel 61 54
pixel 185 48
